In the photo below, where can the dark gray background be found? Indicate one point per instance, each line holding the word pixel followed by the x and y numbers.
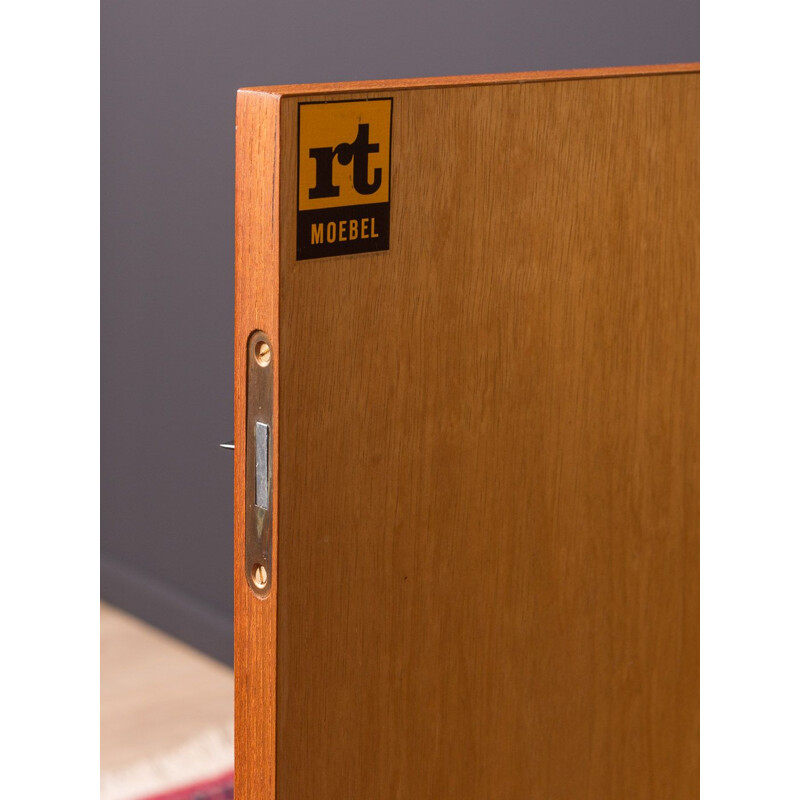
pixel 170 70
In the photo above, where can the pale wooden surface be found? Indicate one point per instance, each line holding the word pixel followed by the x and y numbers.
pixel 487 513
pixel 156 694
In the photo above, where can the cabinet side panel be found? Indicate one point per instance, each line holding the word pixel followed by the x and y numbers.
pixel 489 510
pixel 257 154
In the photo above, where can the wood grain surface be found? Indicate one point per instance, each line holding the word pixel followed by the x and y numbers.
pixel 486 535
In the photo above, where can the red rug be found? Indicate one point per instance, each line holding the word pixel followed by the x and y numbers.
pixel 220 788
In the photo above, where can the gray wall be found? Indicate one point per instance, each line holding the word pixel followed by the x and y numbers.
pixel 170 70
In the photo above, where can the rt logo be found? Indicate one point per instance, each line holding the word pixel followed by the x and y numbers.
pixel 358 152
pixel 344 168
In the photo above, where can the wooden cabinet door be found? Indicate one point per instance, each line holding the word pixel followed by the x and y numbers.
pixel 480 566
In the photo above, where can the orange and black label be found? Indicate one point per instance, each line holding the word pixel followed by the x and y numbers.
pixel 343 172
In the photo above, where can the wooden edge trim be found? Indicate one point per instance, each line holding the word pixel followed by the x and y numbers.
pixel 295 89
pixel 256 292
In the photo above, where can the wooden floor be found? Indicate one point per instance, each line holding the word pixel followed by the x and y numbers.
pixel 158 697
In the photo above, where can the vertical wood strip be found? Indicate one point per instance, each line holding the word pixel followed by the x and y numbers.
pixel 257 284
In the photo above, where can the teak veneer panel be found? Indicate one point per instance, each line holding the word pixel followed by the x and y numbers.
pixel 486 561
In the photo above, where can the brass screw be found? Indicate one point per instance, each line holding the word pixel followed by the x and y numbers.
pixel 259 575
pixel 263 354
